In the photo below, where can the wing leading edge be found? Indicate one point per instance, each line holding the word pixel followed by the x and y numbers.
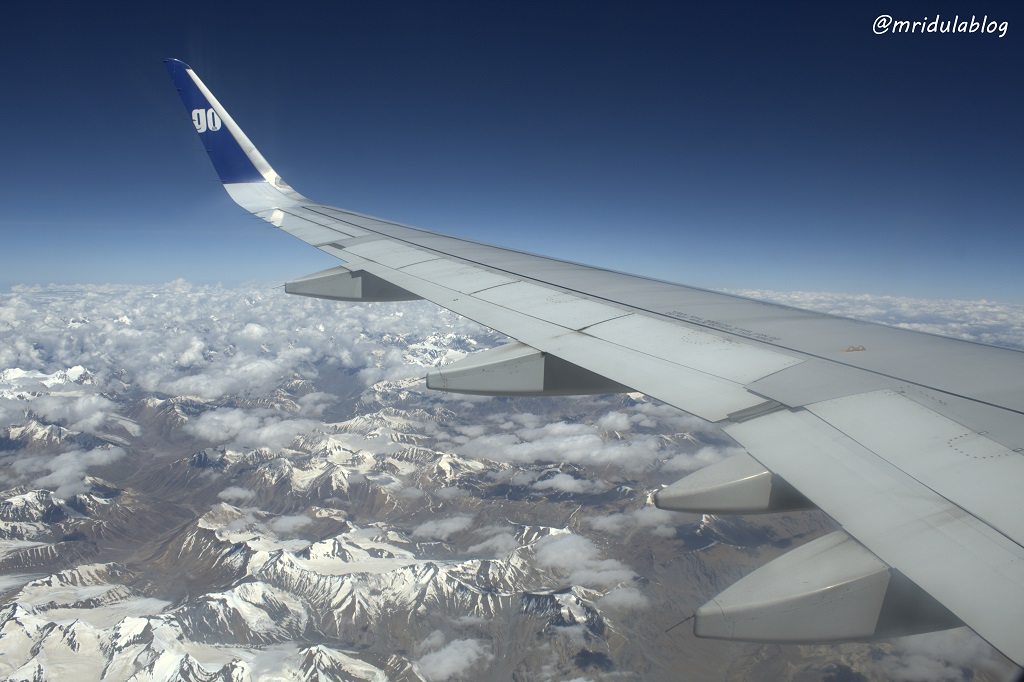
pixel 910 441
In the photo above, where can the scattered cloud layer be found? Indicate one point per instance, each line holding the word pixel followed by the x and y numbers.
pixel 208 342
pixel 934 656
pixel 249 428
pixel 77 357
pixel 442 529
pixel 580 560
pixel 454 659
pixel 985 321
pixel 65 473
pixel 86 413
pixel 570 484
pixel 649 518
pixel 624 598
pixel 575 443
pixel 236 493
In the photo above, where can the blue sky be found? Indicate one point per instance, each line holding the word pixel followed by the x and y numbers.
pixel 778 145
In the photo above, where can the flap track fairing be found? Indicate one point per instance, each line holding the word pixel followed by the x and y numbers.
pixel 831 589
pixel 341 284
pixel 736 485
pixel 516 369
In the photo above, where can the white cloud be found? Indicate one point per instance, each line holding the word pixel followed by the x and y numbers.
pixel 223 425
pixel 284 525
pixel 409 493
pixel 528 419
pixel 276 435
pixel 442 529
pixel 614 421
pixel 623 599
pixel 565 442
pixel 210 342
pixel 656 521
pixel 674 418
pixel 249 428
pixel 434 641
pixel 9 414
pixel 933 656
pixel 455 659
pixel 524 477
pixel 451 493
pixel 498 542
pixel 66 471
pixel 570 484
pixel 471 621
pixel 691 461
pixel 236 493
pixel 580 559
pixel 274 662
pixel 472 430
pixel 576 635
pixel 314 404
pixel 193 354
pixel 81 413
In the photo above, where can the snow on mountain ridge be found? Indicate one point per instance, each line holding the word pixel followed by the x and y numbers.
pixel 31 505
pixel 14 378
pixel 34 432
pixel 309 470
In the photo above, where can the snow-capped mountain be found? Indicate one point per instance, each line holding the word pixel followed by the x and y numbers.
pixel 213 484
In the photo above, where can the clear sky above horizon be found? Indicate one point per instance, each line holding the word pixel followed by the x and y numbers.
pixel 774 145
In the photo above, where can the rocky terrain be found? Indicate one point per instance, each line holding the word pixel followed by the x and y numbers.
pixel 216 484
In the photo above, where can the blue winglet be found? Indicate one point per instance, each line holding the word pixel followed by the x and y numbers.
pixel 214 126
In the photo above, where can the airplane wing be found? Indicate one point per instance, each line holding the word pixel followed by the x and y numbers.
pixel 910 441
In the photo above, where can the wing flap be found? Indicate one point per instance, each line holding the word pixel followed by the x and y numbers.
pixel 467 279
pixel 391 254
pixel 975 571
pixel 550 305
pixel 699 392
pixel 718 355
pixel 959 464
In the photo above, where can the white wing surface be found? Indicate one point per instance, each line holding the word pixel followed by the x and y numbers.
pixel 911 442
